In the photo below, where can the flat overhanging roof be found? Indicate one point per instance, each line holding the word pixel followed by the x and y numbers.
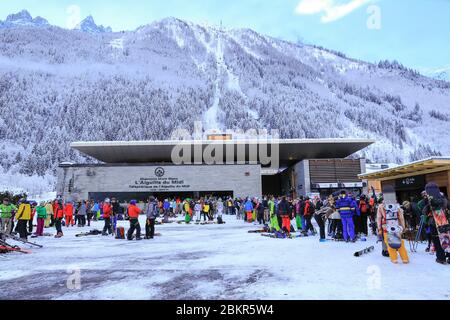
pixel 426 166
pixel 290 151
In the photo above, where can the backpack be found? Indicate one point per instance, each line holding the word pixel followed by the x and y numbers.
pixel 120 233
pixel 363 207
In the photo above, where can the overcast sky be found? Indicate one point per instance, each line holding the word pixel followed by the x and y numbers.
pixel 414 32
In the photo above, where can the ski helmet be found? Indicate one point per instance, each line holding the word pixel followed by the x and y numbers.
pixel 133 202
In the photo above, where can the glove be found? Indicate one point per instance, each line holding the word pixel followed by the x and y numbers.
pixel 380 238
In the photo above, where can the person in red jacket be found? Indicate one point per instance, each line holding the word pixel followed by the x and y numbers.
pixel 107 212
pixel 68 214
pixel 58 214
pixel 308 214
pixel 133 213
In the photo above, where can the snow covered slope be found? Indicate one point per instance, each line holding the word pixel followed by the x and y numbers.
pixel 58 86
pixel 216 262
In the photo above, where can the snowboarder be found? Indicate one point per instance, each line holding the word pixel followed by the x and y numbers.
pixel 391 224
pixel 133 213
pixel 435 211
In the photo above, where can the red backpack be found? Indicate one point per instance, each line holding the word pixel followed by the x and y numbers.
pixel 363 207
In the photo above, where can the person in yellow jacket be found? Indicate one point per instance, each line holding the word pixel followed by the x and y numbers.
pixel 23 215
pixel 397 218
pixel 49 210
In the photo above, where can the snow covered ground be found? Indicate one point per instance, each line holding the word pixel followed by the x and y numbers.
pixel 214 262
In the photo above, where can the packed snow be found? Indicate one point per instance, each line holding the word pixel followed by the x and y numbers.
pixel 214 262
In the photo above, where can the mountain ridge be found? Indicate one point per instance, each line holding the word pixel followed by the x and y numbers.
pixel 144 84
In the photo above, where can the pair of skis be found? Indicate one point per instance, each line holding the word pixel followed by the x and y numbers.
pixel 7 248
pixel 5 235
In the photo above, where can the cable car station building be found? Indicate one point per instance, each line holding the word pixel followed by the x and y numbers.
pixel 138 169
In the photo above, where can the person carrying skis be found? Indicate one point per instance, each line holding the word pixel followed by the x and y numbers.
pixel 383 220
pixel 347 208
pixel 58 212
pixel 22 217
pixel 107 212
pixel 6 211
pixel 152 213
pixel 435 203
pixel 133 213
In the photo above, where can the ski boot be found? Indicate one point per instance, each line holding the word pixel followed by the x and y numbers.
pixel 441 262
pixel 385 253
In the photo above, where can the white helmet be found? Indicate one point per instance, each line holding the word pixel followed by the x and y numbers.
pixel 107 200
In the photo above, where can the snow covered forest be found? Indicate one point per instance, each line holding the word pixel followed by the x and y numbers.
pixel 58 86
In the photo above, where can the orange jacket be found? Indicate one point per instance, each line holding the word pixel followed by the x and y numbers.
pixel 68 210
pixel 58 212
pixel 107 210
pixel 133 211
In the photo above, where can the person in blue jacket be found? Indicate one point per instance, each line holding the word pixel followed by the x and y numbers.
pixel 346 207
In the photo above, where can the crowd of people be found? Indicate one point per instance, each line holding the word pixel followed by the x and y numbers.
pixel 341 216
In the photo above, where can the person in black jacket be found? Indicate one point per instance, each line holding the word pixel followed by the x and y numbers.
pixel 260 211
pixel 283 212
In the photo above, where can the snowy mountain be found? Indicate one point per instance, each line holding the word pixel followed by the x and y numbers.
pixel 88 25
pixel 59 86
pixel 23 18
pixel 439 73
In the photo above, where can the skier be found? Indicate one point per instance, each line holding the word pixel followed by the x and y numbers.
pixel 6 210
pixel 151 213
pixel 249 210
pixel 81 213
pixel 41 216
pixel 219 208
pixel 134 212
pixel 364 210
pixel 347 208
pixel 198 210
pixel 308 214
pixel 205 211
pixel 283 212
pixel 68 214
pixel 387 220
pixel 22 217
pixel 49 221
pixel 321 216
pixel 58 213
pixel 30 221
pixel 107 212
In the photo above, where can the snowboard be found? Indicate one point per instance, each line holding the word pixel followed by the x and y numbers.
pixel 365 251
pixel 440 219
pixel 90 233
